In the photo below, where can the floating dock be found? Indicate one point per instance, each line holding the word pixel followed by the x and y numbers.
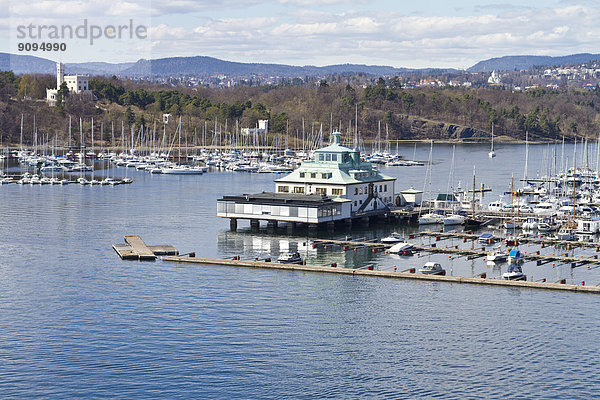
pixel 134 248
pixel 383 274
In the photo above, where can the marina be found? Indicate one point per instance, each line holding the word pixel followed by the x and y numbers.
pixel 204 308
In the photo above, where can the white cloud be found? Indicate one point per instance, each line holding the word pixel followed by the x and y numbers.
pixel 325 31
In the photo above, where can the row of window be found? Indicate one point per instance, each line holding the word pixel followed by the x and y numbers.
pixel 328 157
pixel 313 175
pixel 300 189
pixel 364 174
pixel 360 190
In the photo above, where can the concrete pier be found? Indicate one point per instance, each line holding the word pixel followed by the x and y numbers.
pixel 233 224
pixel 385 274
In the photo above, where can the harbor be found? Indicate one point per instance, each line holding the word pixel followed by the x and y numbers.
pixel 94 302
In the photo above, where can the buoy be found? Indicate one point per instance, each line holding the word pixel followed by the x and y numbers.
pixel 395 268
pixel 437 238
pixel 412 270
pixel 345 248
pixel 562 281
pixel 543 279
pixel 354 249
pixel 325 247
pixel 373 250
pixel 582 283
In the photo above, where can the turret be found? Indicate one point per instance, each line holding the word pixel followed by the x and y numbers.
pixel 60 74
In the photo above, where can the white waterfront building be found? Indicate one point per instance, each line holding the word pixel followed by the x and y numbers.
pixel 336 186
pixel 338 171
pixel 75 83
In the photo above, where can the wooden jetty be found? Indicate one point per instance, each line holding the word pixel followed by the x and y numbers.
pixel 134 248
pixel 383 274
pixel 473 253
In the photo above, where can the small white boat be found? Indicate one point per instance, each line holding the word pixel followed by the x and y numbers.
pixel 531 224
pixel 400 247
pixel 496 255
pixel 566 233
pixel 514 273
pixel 432 268
pixel 126 180
pixel 183 170
pixel 430 219
pixel 290 258
pixel 511 224
pixel 454 219
pixel 395 237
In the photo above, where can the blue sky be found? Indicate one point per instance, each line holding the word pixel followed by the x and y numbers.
pixel 426 33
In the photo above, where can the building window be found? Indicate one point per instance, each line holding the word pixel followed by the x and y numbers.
pixel 337 192
pixel 298 189
pixel 283 189
pixel 360 191
pixel 301 174
pixel 355 190
pixel 313 175
pixel 360 201
pixel 334 157
pixel 385 188
pixel 320 157
pixel 321 190
pixel 327 157
pixel 355 203
pixel 381 188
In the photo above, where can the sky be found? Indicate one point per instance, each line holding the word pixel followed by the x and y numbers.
pixel 413 34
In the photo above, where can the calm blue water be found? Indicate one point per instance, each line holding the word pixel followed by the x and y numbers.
pixel 76 321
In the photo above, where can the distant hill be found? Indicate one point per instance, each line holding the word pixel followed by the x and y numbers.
pixel 199 65
pixel 510 63
pixel 202 65
pixel 21 64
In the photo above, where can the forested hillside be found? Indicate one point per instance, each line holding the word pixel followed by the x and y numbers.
pixel 420 113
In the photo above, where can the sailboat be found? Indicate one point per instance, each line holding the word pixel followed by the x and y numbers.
pixel 492 153
pixel 473 220
pixel 511 223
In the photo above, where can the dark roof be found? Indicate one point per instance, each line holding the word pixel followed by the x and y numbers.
pixel 281 199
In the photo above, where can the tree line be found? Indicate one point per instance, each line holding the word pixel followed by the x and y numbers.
pixel 542 113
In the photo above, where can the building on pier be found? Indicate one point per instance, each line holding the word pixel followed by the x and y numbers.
pixel 337 185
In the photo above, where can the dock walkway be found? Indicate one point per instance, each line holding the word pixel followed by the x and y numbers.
pixel 383 274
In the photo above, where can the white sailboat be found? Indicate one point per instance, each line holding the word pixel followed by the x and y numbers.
pixel 492 153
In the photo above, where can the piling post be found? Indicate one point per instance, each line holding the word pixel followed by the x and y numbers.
pixel 233 224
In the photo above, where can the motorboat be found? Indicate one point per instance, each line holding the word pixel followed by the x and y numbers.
pixel 431 218
pixel 566 232
pixel 432 268
pixel 514 273
pixel 511 224
pixel 400 247
pixel 290 258
pixel 454 219
pixel 395 237
pixel 515 256
pixel 547 226
pixel 486 238
pixel 496 255
pixel 531 224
